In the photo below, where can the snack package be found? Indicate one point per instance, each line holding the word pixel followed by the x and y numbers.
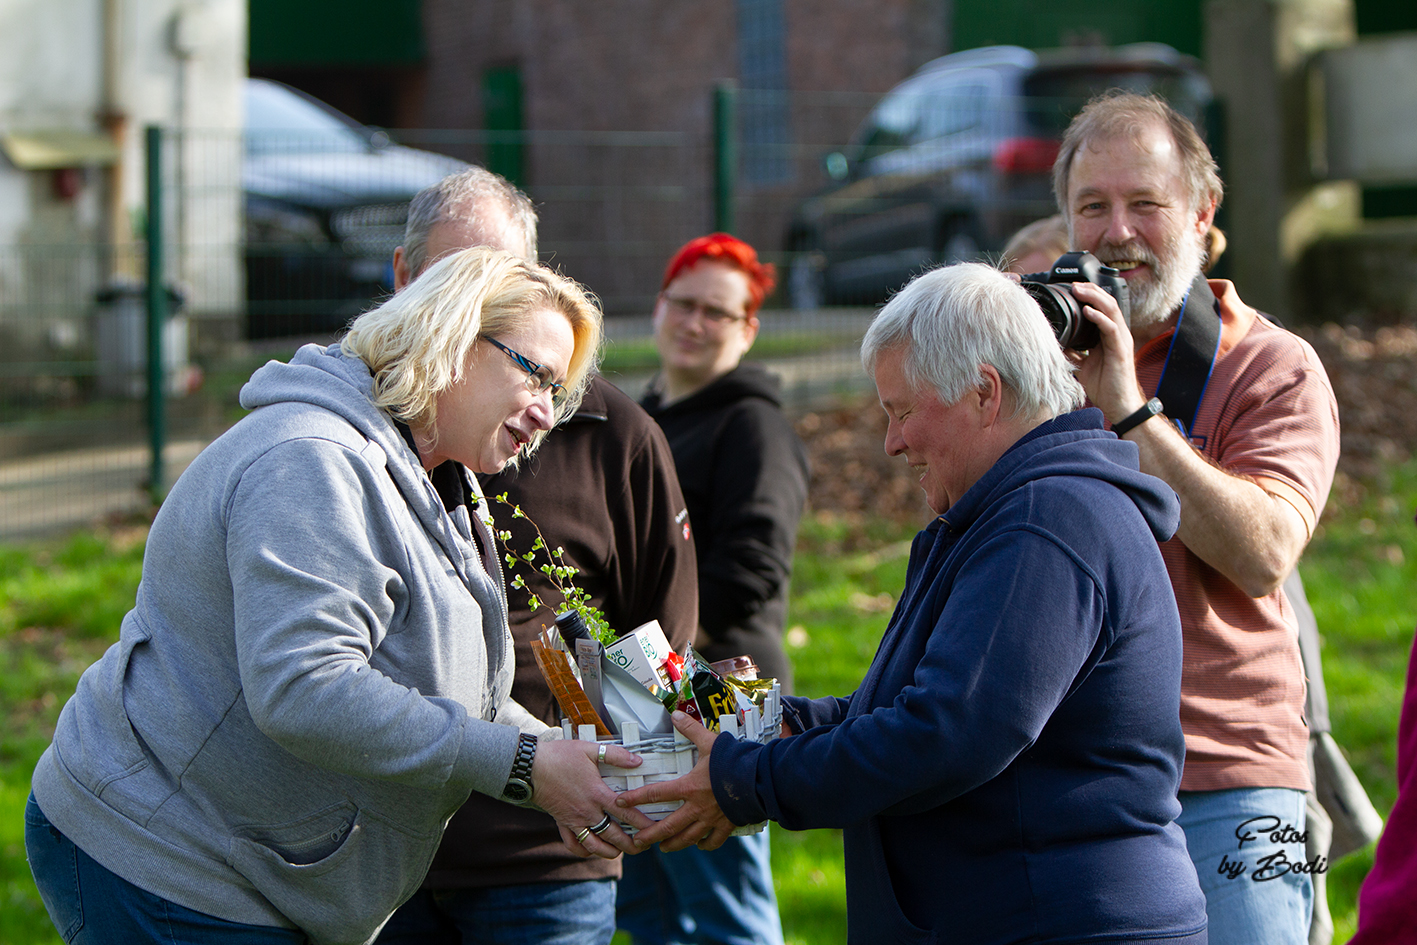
pixel 684 699
pixel 683 685
pixel 710 695
pixel 752 693
pixel 715 698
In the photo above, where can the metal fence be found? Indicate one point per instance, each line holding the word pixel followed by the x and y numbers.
pixel 276 239
pixel 83 462
pixel 279 237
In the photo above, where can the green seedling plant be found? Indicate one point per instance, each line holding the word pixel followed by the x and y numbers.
pixel 555 569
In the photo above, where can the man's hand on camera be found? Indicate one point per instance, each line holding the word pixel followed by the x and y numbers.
pixel 1107 372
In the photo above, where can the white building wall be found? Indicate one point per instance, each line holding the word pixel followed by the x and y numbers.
pixel 50 63
pixel 177 63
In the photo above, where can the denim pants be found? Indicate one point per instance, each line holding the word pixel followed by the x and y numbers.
pixel 573 913
pixel 692 896
pixel 91 906
pixel 1248 848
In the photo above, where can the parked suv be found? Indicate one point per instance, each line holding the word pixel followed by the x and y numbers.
pixel 326 199
pixel 955 159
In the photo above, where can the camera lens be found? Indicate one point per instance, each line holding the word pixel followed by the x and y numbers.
pixel 1070 326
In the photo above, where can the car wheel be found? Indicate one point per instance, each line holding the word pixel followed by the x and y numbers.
pixel 806 280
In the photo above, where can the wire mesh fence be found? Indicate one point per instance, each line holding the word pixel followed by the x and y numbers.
pixel 284 234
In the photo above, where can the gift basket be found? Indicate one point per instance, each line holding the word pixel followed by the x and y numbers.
pixel 620 691
pixel 622 695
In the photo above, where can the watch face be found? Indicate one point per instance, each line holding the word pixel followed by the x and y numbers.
pixel 517 791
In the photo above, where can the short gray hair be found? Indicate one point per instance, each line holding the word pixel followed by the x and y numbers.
pixel 1115 115
pixel 952 320
pixel 463 196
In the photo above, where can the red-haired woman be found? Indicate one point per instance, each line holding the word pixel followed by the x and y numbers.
pixel 743 471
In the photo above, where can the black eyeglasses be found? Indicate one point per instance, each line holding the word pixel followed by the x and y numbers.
pixel 538 376
pixel 684 307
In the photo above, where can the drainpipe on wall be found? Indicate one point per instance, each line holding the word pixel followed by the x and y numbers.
pixel 115 121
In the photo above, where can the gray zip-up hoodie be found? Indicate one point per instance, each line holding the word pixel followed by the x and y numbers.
pixel 305 690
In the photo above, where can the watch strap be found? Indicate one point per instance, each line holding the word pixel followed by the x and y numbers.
pixel 1133 420
pixel 519 780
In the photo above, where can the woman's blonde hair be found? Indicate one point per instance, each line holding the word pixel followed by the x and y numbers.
pixel 417 344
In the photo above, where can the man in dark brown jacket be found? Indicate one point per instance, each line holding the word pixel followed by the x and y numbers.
pixel 602 487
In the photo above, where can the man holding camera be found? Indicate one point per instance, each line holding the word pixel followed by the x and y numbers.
pixel 1239 418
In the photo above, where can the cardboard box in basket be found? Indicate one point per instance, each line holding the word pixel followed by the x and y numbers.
pixel 642 653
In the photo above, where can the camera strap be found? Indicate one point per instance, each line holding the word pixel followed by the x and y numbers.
pixel 1189 363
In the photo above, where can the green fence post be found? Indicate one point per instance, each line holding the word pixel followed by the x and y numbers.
pixel 725 155
pixel 157 315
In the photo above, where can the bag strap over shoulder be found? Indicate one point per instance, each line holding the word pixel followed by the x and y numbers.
pixel 1191 360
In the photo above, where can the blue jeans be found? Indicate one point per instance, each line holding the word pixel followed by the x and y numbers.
pixel 1248 848
pixel 91 906
pixel 574 913
pixel 724 896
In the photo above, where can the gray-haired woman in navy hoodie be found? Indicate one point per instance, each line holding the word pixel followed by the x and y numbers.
pixel 1007 770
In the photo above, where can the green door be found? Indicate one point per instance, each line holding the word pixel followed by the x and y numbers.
pixel 502 115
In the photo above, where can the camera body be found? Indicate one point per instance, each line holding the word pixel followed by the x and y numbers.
pixel 1064 312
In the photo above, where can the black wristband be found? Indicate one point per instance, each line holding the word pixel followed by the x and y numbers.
pixel 1130 422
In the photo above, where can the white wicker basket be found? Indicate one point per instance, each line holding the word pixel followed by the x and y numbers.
pixel 666 757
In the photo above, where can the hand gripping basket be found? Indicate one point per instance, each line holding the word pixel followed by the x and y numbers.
pixel 666 757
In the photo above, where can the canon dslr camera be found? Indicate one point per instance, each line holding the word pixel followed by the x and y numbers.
pixel 1050 290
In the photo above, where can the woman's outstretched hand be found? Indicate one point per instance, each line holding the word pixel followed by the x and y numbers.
pixel 568 786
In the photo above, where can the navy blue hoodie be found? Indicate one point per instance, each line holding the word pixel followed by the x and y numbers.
pixel 1007 770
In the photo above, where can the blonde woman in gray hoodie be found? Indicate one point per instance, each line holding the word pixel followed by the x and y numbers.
pixel 316 672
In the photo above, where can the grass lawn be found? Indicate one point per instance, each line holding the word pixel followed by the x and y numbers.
pixel 1360 572
pixel 60 604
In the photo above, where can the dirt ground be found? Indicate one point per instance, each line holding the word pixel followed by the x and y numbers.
pixel 1372 371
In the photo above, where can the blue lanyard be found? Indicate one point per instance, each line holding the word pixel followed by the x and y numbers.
pixel 1191 359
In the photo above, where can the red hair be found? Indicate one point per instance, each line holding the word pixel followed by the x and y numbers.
pixel 732 252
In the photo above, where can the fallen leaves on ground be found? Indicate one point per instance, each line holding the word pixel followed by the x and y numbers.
pixel 1374 379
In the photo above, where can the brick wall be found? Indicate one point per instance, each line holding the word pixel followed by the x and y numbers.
pixel 615 206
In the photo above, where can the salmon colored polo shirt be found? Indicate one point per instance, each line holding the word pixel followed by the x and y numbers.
pixel 1268 415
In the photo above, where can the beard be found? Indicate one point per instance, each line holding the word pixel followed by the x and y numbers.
pixel 1157 295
